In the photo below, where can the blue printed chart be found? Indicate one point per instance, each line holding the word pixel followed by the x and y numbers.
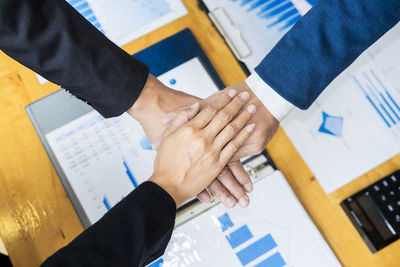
pixel 274 231
pixel 281 14
pixel 261 23
pixel 125 20
pixel 105 159
pixel 83 7
pixel 355 124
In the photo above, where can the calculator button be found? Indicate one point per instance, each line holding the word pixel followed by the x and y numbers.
pixel 383 198
pixel 385 183
pixel 390 208
pixel 377 188
pixel 393 178
pixel 397 218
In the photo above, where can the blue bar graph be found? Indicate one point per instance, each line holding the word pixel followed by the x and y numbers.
pixel 371 101
pixel 281 14
pixel 389 105
pixel 106 203
pixel 83 7
pixel 157 263
pixel 270 6
pixel 385 101
pixel 256 250
pixel 253 251
pixel 130 174
pixel 275 260
pixel 225 222
pixel 382 106
pixel 389 96
pixel 239 236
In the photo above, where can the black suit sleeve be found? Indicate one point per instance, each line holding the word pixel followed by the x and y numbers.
pixel 51 38
pixel 133 233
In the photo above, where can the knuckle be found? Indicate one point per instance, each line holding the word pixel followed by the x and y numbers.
pixel 189 130
pixel 201 121
pixel 200 142
pixel 233 147
pixel 231 129
pixel 234 164
pixel 220 193
pixel 225 115
pixel 211 158
pixel 212 109
pixel 223 173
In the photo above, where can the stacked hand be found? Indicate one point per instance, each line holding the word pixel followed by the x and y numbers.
pixel 158 103
pixel 192 155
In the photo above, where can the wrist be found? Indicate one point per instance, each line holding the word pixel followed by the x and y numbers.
pixel 149 98
pixel 255 101
pixel 171 189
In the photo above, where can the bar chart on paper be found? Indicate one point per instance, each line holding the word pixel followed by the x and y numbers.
pixel 83 7
pixel 261 23
pixel 274 231
pixel 355 124
pixel 125 20
pixel 103 159
pixel 253 251
pixel 380 97
pixel 281 14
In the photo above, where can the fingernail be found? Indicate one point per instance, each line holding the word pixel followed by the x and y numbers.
pixel 168 118
pixel 194 105
pixel 230 202
pixel 245 96
pixel 244 201
pixel 251 108
pixel 232 93
pixel 251 127
pixel 248 187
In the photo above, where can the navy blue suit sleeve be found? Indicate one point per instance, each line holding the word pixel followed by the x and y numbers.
pixel 133 233
pixel 323 44
pixel 51 38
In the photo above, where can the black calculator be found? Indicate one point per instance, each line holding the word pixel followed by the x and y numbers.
pixel 375 212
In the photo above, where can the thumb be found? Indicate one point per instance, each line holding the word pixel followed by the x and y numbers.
pixel 182 117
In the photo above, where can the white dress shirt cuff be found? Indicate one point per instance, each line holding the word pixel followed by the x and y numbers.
pixel 277 105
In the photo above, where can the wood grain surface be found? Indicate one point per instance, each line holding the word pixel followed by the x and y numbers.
pixel 37 218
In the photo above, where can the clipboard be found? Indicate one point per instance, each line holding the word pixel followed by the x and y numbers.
pixel 252 28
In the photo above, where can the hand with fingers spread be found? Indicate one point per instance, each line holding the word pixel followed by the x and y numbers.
pixel 192 155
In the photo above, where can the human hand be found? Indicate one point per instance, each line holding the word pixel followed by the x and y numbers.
pixel 267 123
pixel 154 102
pixel 230 184
pixel 191 156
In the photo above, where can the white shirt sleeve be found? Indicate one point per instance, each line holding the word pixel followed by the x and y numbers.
pixel 277 105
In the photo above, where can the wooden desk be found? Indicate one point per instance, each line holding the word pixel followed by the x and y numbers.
pixel 36 217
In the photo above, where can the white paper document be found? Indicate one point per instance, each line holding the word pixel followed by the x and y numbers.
pixel 253 27
pixel 105 159
pixel 355 124
pixel 274 231
pixel 123 21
